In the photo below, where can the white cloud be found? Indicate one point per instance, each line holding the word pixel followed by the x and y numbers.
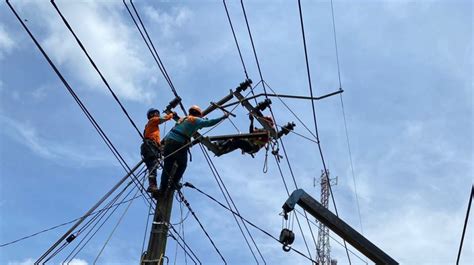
pixel 28 136
pixel 78 262
pixel 169 22
pixel 31 261
pixel 28 261
pixel 6 42
pixel 112 44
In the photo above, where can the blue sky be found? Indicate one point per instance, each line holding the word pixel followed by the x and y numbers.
pixel 407 74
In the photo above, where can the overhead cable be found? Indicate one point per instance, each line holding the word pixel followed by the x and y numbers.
pixel 314 117
pixel 465 224
pixel 64 224
pixel 226 194
pixel 96 68
pixel 154 52
pixel 246 220
pixel 263 84
pixel 186 203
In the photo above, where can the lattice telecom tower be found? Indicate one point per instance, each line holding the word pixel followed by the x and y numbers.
pixel 324 248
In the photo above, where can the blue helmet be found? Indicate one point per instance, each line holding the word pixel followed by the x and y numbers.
pixel 151 112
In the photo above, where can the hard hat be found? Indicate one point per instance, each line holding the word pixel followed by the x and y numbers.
pixel 151 112
pixel 196 109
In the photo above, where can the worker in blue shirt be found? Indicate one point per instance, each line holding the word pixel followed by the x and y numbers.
pixel 177 143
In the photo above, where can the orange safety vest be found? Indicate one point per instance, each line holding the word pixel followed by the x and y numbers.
pixel 152 130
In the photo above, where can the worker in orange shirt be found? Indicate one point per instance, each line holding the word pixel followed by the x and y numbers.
pixel 150 148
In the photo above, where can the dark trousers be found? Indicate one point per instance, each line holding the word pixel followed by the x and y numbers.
pixel 173 156
pixel 243 144
pixel 151 154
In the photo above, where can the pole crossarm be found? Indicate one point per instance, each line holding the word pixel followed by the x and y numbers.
pixel 337 225
pixel 257 113
pixel 286 96
pixel 238 136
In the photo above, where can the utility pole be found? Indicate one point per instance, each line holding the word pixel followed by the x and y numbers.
pixel 156 250
pixel 323 247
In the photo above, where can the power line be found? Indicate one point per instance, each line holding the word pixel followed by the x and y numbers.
pixel 96 220
pixel 235 39
pixel 465 224
pixel 184 243
pixel 237 45
pixel 89 116
pixel 186 203
pixel 221 185
pixel 96 68
pixel 184 248
pixel 288 193
pixel 344 115
pixel 114 229
pixel 157 58
pixel 64 224
pixel 72 235
pixel 314 116
pixel 334 239
pixel 187 184
pixel 265 90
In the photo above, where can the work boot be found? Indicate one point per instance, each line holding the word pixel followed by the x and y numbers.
pixel 153 187
pixel 157 194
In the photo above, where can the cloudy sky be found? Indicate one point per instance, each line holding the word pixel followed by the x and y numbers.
pixel 406 70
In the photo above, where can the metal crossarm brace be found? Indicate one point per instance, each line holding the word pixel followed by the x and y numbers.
pixel 337 225
pixel 198 138
pixel 255 112
pixel 213 106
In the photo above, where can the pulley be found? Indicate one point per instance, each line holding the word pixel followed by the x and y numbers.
pixel 287 237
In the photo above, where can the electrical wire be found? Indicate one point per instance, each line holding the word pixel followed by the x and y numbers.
pixel 186 203
pixel 114 229
pixel 157 58
pixel 146 229
pixel 314 116
pixel 288 192
pixel 64 224
pixel 237 45
pixel 95 67
pixel 344 116
pixel 263 84
pixel 465 224
pixel 247 221
pixel 86 239
pixel 89 116
pixel 184 248
pixel 334 239
pixel 73 235
pixel 226 194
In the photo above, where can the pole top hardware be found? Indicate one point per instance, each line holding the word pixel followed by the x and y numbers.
pixel 244 85
pixel 172 104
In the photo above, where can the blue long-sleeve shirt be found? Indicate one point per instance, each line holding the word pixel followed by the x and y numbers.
pixel 188 126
